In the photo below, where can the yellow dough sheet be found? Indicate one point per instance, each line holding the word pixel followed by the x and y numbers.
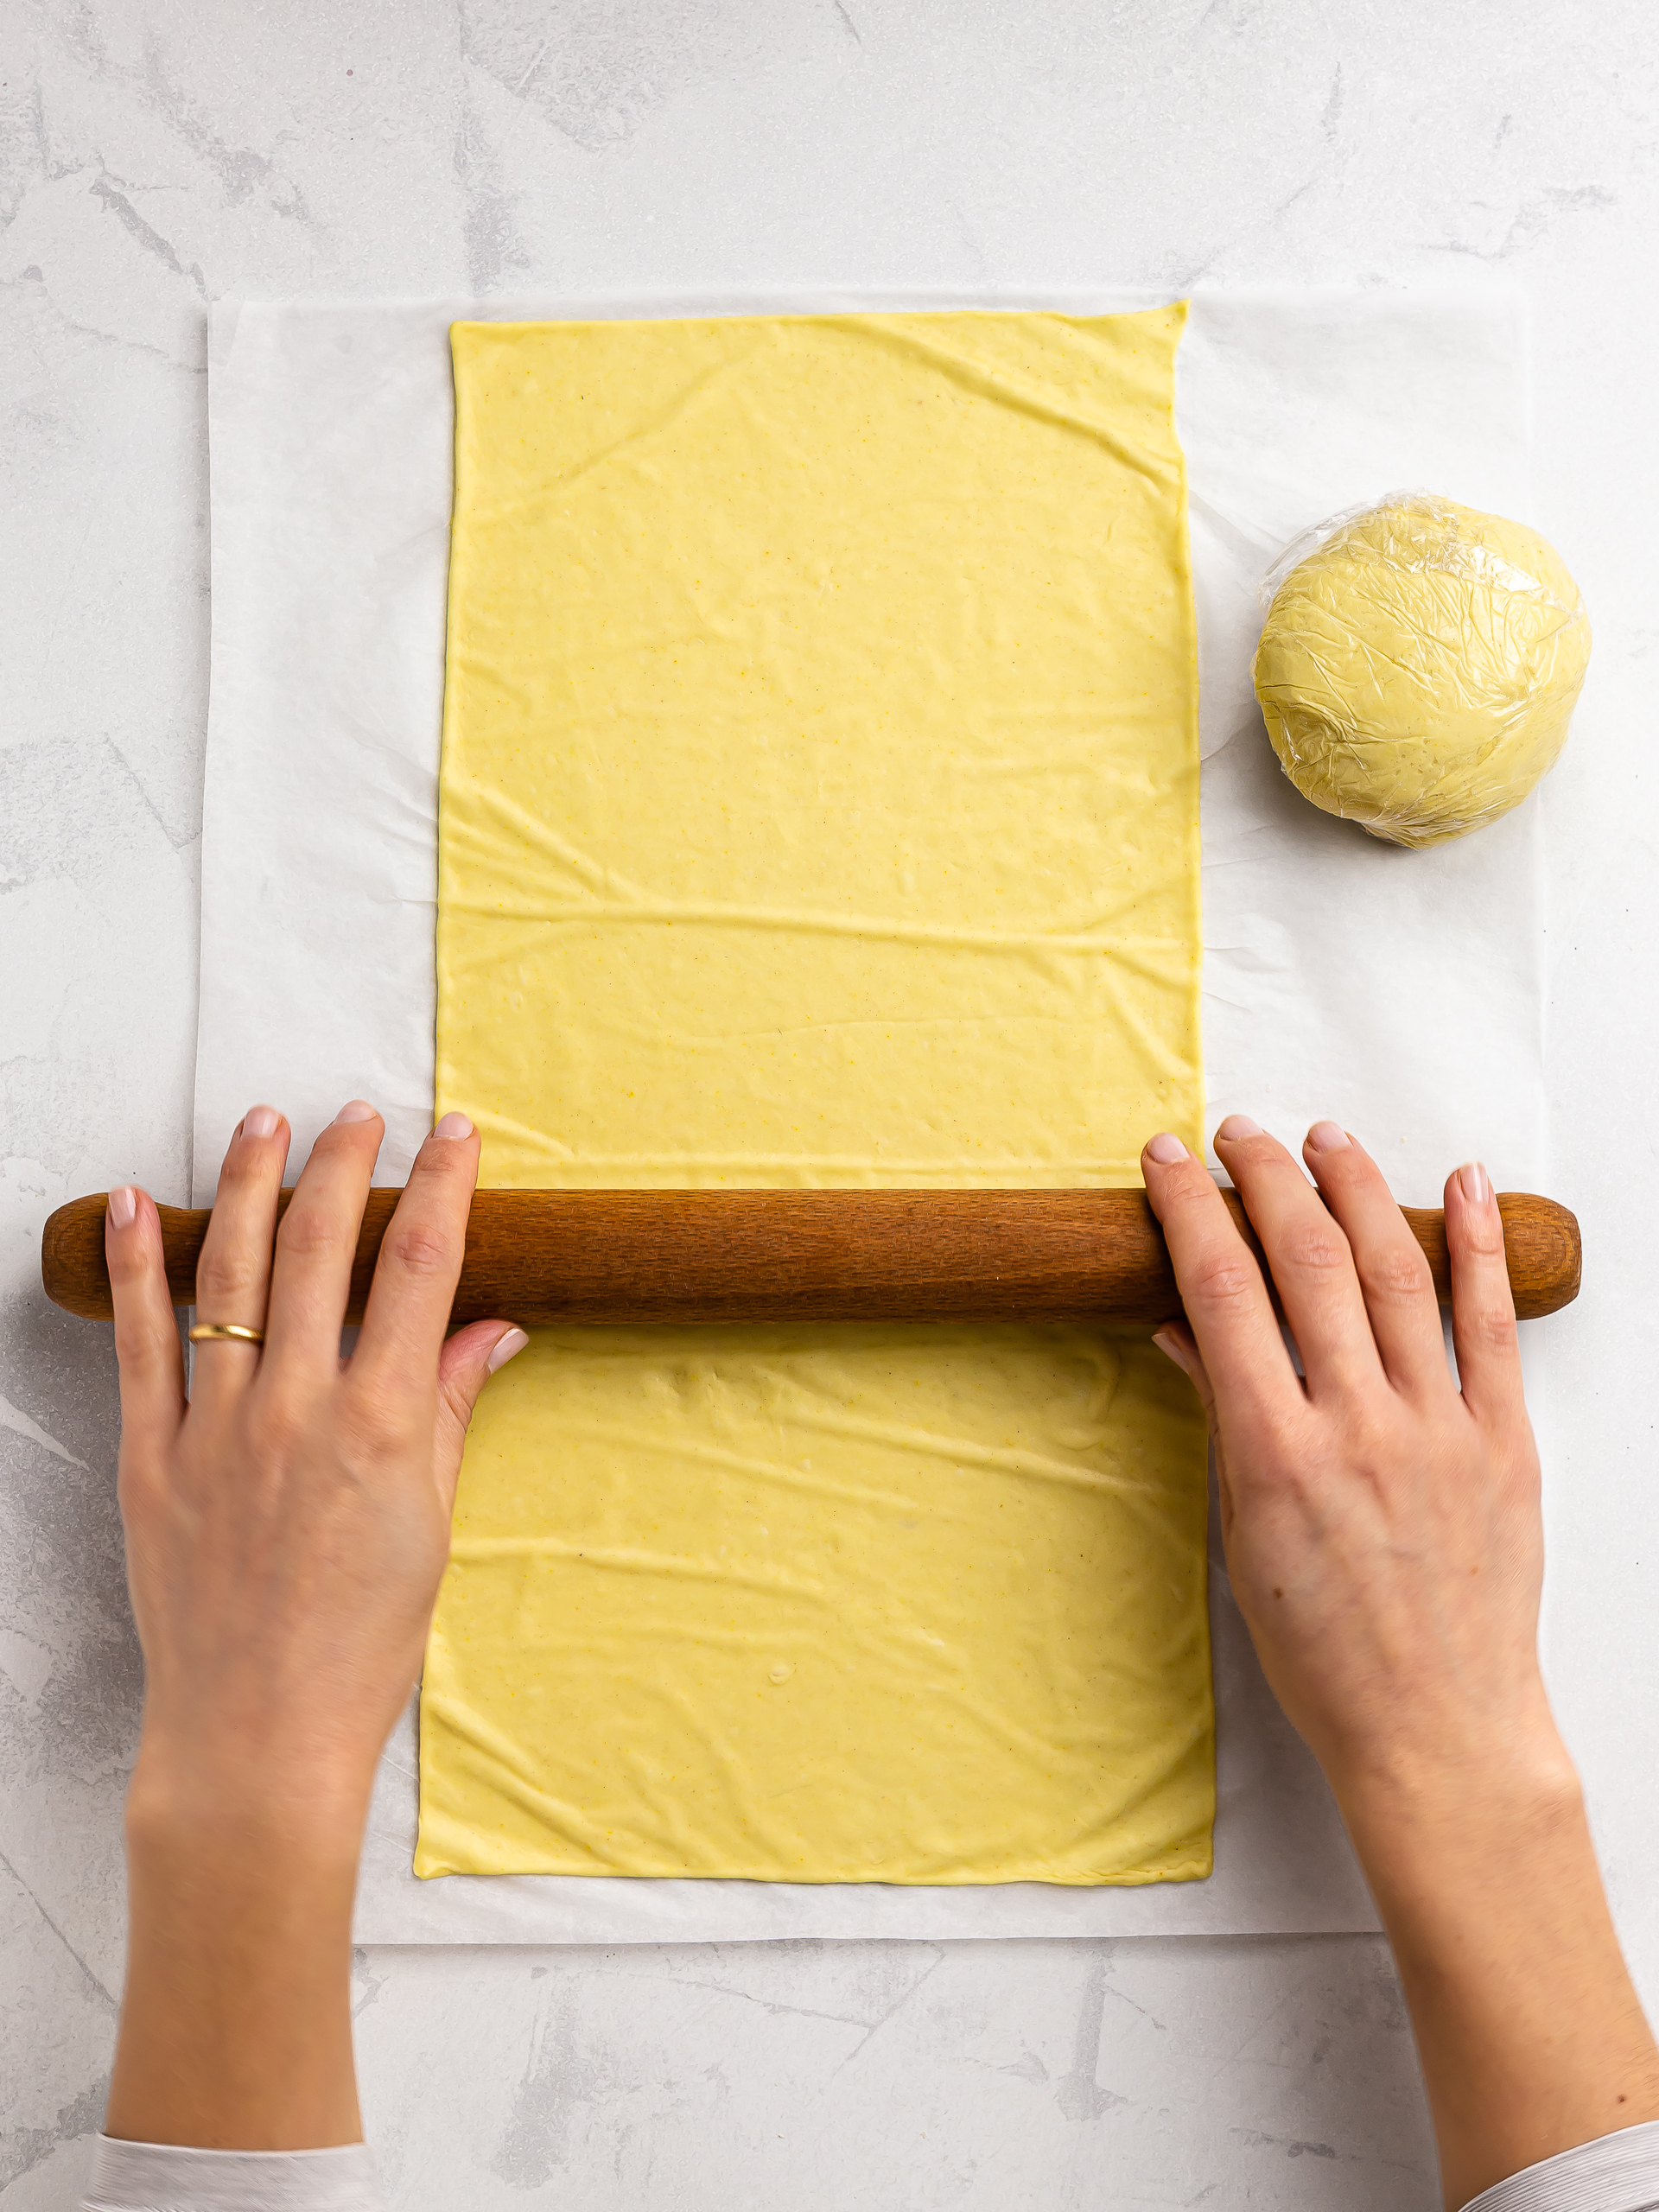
pixel 907 1605
pixel 819 805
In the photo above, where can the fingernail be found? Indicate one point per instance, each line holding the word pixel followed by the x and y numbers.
pixel 1165 1345
pixel 123 1207
pixel 261 1122
pixel 1328 1136
pixel 507 1347
pixel 359 1110
pixel 1237 1125
pixel 453 1125
pixel 1166 1149
pixel 1475 1183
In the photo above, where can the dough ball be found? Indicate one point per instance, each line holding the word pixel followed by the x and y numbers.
pixel 1418 668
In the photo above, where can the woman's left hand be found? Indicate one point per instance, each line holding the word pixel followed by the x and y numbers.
pixel 287 1528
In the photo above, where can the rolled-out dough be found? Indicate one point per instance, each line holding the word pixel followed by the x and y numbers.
pixel 819 805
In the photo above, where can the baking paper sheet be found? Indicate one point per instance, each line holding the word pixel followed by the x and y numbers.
pixel 1399 992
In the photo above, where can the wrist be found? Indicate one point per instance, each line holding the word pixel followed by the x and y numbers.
pixel 1422 1818
pixel 184 1804
pixel 1439 1761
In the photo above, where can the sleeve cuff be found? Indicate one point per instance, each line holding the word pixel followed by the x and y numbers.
pixel 1616 2173
pixel 166 2177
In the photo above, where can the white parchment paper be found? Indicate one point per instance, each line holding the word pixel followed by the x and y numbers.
pixel 1400 992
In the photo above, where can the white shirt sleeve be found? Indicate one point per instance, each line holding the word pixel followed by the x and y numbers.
pixel 1616 2173
pixel 165 2177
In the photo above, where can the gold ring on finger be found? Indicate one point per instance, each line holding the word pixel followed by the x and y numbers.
pixel 215 1332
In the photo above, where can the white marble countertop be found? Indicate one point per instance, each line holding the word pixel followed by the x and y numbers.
pixel 156 155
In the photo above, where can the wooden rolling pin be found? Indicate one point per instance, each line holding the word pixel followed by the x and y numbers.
pixel 542 1256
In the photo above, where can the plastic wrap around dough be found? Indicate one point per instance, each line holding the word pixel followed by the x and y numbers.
pixel 819 805
pixel 1419 666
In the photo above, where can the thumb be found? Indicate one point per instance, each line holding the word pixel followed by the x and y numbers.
pixel 1176 1341
pixel 465 1365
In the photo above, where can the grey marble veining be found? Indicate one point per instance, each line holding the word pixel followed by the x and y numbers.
pixel 156 155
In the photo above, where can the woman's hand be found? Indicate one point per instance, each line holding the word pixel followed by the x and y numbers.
pixel 1382 1526
pixel 1383 1538
pixel 286 1531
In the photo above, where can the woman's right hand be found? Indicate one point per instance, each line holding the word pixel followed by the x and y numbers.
pixel 1381 1523
pixel 1383 1537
